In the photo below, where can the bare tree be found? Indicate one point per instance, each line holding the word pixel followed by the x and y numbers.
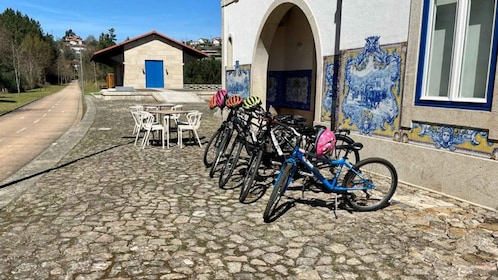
pixel 35 57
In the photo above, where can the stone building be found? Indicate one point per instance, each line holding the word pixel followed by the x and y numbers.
pixel 414 80
pixel 151 60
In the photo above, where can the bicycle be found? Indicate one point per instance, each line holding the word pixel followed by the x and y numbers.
pixel 211 149
pixel 233 102
pixel 270 147
pixel 243 139
pixel 270 144
pixel 362 184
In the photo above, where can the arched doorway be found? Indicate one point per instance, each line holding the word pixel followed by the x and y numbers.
pixel 284 65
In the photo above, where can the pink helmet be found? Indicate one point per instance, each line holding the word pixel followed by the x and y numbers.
pixel 220 96
pixel 325 141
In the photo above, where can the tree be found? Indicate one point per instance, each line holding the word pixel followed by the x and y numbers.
pixel 18 26
pixel 204 71
pixel 69 33
pixel 35 58
pixel 107 39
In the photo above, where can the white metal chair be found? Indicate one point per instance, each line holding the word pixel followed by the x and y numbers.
pixel 139 118
pixel 176 117
pixel 150 126
pixel 138 123
pixel 194 122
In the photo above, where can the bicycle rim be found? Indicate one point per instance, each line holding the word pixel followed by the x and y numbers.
pixel 339 153
pixel 277 192
pixel 252 171
pixel 220 151
pixel 230 163
pixel 210 150
pixel 372 171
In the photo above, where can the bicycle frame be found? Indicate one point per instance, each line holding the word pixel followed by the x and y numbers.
pixel 300 155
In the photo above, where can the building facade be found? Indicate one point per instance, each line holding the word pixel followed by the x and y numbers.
pixel 413 80
pixel 151 60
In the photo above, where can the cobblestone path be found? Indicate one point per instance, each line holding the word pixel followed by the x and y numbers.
pixel 113 211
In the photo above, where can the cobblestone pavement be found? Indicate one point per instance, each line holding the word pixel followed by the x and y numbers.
pixel 112 211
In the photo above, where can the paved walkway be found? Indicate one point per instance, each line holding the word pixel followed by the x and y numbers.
pixel 28 131
pixel 108 210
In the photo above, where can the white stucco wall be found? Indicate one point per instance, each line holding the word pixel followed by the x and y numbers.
pixel 388 19
pixel 360 19
pixel 242 21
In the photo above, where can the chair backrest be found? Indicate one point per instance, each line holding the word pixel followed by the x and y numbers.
pixel 177 107
pixel 148 120
pixel 151 107
pixel 136 117
pixel 194 119
pixel 135 108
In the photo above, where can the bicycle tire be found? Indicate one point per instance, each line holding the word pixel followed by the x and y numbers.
pixel 252 171
pixel 211 147
pixel 278 190
pixel 230 163
pixel 221 150
pixel 342 139
pixel 377 171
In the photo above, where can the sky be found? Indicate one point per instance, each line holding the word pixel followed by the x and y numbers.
pixel 181 20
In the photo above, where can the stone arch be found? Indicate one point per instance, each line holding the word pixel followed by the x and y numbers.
pixel 288 45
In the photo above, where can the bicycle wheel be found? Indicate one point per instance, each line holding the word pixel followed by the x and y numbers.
pixel 231 162
pixel 252 171
pixel 210 150
pixel 342 139
pixel 371 171
pixel 278 190
pixel 220 150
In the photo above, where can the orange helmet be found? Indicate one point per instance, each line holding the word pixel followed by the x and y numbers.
pixel 234 101
pixel 212 102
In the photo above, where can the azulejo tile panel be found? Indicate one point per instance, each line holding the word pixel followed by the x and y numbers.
pixel 289 89
pixel 238 80
pixel 370 101
pixel 452 138
pixel 329 98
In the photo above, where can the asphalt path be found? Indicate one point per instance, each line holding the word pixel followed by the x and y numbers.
pixel 26 132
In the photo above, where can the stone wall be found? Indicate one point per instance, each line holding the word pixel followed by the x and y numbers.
pixel 202 87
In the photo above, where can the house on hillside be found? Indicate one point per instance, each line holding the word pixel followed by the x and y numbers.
pixel 217 41
pixel 75 43
pixel 151 60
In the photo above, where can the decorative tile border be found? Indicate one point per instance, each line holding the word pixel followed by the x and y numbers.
pixel 451 138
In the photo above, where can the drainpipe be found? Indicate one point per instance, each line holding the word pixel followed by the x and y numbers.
pixel 337 49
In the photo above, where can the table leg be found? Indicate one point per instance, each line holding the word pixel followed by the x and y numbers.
pixel 167 132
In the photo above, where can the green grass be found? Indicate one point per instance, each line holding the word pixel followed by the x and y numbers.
pixel 91 87
pixel 12 101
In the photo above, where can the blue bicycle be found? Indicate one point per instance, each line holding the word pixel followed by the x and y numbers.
pixel 367 185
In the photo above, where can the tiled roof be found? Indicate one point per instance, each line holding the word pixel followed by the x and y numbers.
pixel 151 33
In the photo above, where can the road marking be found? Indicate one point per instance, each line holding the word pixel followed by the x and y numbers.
pixel 36 121
pixel 44 115
pixel 21 130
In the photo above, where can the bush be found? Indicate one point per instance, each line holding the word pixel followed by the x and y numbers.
pixel 204 71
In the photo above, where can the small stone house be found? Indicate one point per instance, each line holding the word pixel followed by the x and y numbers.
pixel 151 60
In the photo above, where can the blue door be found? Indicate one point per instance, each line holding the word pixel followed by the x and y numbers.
pixel 154 77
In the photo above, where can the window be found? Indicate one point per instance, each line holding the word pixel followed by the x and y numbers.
pixel 457 54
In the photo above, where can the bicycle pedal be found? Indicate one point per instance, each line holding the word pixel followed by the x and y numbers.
pixel 302 173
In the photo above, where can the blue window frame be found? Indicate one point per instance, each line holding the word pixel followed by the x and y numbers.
pixel 457 59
